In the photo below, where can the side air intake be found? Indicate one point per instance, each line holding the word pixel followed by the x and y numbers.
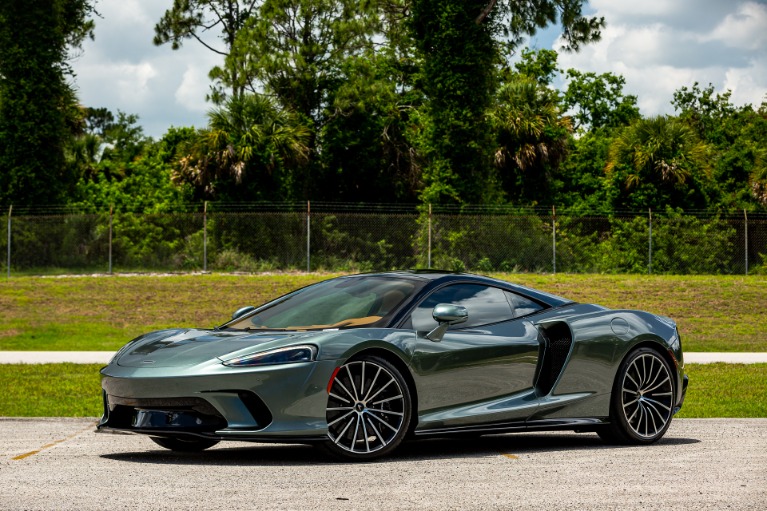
pixel 556 341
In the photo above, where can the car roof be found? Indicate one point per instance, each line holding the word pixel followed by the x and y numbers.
pixel 438 277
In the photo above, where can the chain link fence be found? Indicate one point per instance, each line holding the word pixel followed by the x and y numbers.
pixel 342 237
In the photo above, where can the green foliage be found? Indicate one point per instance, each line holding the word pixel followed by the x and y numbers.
pixel 532 139
pixel 486 243
pixel 598 100
pixel 36 104
pixel 680 245
pixel 370 130
pixel 539 65
pixel 458 57
pixel 247 152
pixel 128 172
pixel 739 139
pixel 190 19
pixel 579 184
pixel 656 162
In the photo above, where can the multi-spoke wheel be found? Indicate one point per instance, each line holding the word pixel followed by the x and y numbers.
pixel 643 399
pixel 368 410
pixel 184 444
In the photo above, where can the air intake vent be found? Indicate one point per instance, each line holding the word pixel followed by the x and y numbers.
pixel 557 341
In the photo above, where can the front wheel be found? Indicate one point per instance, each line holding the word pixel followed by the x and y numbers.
pixel 368 410
pixel 642 401
pixel 184 444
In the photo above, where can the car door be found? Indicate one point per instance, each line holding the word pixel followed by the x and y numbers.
pixel 482 370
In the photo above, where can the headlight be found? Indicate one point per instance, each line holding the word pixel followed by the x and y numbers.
pixel 287 355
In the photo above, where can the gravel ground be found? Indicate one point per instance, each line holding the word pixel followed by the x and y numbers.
pixel 700 464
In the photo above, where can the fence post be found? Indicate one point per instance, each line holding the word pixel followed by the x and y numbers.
pixel 554 237
pixel 745 224
pixel 10 210
pixel 205 236
pixel 308 237
pixel 649 243
pixel 111 212
pixel 428 260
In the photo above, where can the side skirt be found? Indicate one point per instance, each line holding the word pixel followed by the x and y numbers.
pixel 578 424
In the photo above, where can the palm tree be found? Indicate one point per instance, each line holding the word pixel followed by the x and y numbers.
pixel 662 150
pixel 248 139
pixel 532 135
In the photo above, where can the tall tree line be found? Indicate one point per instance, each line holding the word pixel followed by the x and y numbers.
pixel 370 101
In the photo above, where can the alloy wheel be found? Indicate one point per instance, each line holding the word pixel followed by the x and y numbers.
pixel 367 407
pixel 647 395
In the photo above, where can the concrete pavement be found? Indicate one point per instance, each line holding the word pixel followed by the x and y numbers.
pixel 700 464
pixel 103 357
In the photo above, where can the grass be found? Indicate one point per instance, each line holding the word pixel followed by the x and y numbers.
pixel 72 390
pixel 714 313
pixel 50 390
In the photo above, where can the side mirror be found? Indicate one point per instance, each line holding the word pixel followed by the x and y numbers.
pixel 242 311
pixel 446 314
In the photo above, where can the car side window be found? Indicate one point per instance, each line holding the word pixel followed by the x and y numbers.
pixel 523 305
pixel 485 305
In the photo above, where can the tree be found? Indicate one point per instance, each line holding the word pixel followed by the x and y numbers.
pixel 738 138
pixel 598 100
pixel 294 51
pixel 190 19
pixel 659 162
pixel 38 108
pixel 295 48
pixel 367 137
pixel 458 66
pixel 459 43
pixel 532 138
pixel 247 152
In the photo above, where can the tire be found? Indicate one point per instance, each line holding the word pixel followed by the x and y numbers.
pixel 642 401
pixel 184 444
pixel 368 411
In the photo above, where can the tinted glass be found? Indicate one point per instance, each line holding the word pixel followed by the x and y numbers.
pixel 485 305
pixel 336 303
pixel 523 306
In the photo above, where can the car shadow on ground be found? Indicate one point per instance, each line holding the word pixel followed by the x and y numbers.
pixel 430 449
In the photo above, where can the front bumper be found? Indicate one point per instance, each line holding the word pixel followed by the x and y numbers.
pixel 277 403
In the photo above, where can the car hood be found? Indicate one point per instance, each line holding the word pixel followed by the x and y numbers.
pixel 186 347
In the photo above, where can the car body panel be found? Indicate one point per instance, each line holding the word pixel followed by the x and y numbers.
pixel 551 369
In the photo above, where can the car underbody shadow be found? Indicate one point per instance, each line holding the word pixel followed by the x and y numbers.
pixel 257 454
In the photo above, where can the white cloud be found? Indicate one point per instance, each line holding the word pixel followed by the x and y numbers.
pixel 660 46
pixel 746 28
pixel 123 70
pixel 193 86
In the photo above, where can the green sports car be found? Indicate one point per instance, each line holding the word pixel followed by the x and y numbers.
pixel 357 364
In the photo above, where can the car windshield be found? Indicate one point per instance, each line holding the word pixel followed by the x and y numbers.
pixel 366 301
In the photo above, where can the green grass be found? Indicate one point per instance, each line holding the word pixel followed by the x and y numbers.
pixel 714 313
pixel 726 390
pixel 72 390
pixel 50 390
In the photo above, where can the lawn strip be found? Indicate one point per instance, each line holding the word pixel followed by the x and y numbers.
pixel 73 390
pixel 714 313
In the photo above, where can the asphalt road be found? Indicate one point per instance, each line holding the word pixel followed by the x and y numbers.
pixel 700 464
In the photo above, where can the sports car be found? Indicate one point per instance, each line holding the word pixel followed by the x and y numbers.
pixel 359 363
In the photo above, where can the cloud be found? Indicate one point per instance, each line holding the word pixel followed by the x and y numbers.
pixel 660 46
pixel 123 70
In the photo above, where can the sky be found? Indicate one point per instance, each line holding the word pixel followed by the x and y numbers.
pixel 659 46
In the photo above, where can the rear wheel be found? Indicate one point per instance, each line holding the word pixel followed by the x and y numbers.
pixel 184 444
pixel 368 410
pixel 642 401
